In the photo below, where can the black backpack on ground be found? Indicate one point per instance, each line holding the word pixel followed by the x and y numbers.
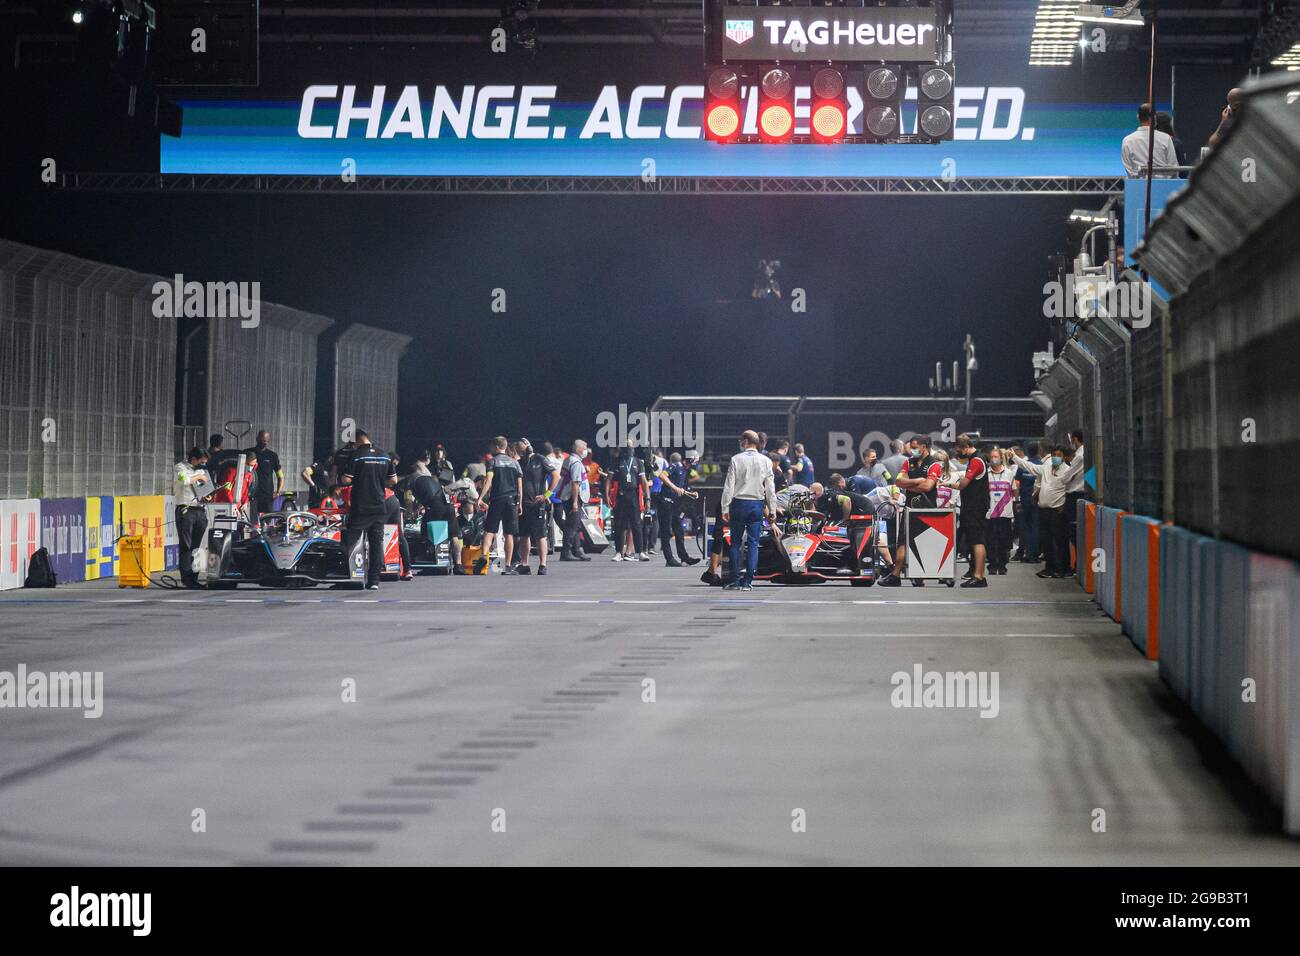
pixel 40 572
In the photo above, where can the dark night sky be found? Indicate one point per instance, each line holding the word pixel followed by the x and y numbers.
pixel 610 299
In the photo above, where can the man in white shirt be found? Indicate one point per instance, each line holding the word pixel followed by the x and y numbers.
pixel 1135 146
pixel 191 518
pixel 748 496
pixel 1075 488
pixel 1051 480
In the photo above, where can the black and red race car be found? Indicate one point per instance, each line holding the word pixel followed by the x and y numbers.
pixel 806 547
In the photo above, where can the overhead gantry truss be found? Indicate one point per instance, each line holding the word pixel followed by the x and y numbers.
pixel 594 185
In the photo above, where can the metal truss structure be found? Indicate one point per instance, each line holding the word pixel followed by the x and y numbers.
pixel 596 185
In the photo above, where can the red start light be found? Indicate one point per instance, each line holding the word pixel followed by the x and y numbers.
pixel 776 121
pixel 723 121
pixel 828 121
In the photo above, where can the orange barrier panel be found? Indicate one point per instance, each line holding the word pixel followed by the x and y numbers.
pixel 1153 592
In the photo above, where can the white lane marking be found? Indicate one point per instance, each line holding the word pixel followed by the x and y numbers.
pixel 1002 602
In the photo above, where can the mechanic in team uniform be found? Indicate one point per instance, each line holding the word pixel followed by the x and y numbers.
pixel 802 467
pixel 370 473
pixel 319 478
pixel 974 487
pixel 851 509
pixel 221 460
pixel 441 467
pixel 429 493
pixel 343 460
pixel 627 489
pixel 535 517
pixel 217 453
pixel 503 488
pixel 270 477
pixel 393 515
pixel 862 483
pixel 672 488
pixel 918 484
pixel 191 518
pixel 782 450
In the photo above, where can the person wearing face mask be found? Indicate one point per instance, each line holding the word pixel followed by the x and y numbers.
pixel 1050 478
pixel 974 488
pixel 1074 486
pixel 440 467
pixel 918 486
pixel 1002 484
pixel 895 463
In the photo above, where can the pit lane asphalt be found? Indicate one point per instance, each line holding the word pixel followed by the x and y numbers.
pixel 520 699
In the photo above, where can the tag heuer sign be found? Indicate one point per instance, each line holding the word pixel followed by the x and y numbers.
pixel 740 31
pixel 900 34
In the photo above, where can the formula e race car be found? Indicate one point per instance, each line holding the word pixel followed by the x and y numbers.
pixel 428 544
pixel 806 547
pixel 291 549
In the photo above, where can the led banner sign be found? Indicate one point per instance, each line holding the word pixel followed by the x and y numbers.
pixel 897 34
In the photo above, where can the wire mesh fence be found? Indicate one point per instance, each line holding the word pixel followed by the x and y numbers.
pixel 366 362
pixel 86 404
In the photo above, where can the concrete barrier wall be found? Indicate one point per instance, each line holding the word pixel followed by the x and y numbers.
pixel 1108 562
pixel 1229 646
pixel 1270 749
pixel 1139 575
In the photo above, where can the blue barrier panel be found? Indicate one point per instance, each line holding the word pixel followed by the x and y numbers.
pixel 1203 627
pixel 1107 519
pixel 1234 630
pixel 1228 578
pixel 1272 756
pixel 1134 541
pixel 1227 616
pixel 1175 609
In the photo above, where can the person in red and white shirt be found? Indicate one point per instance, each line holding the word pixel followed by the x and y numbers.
pixel 945 496
pixel 1001 514
pixel 974 488
pixel 918 487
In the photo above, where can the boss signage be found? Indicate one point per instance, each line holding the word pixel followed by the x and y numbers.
pixel 901 34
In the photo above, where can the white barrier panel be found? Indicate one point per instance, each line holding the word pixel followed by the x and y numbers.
pixel 20 535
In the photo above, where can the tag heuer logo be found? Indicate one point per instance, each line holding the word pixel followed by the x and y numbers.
pixel 740 31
